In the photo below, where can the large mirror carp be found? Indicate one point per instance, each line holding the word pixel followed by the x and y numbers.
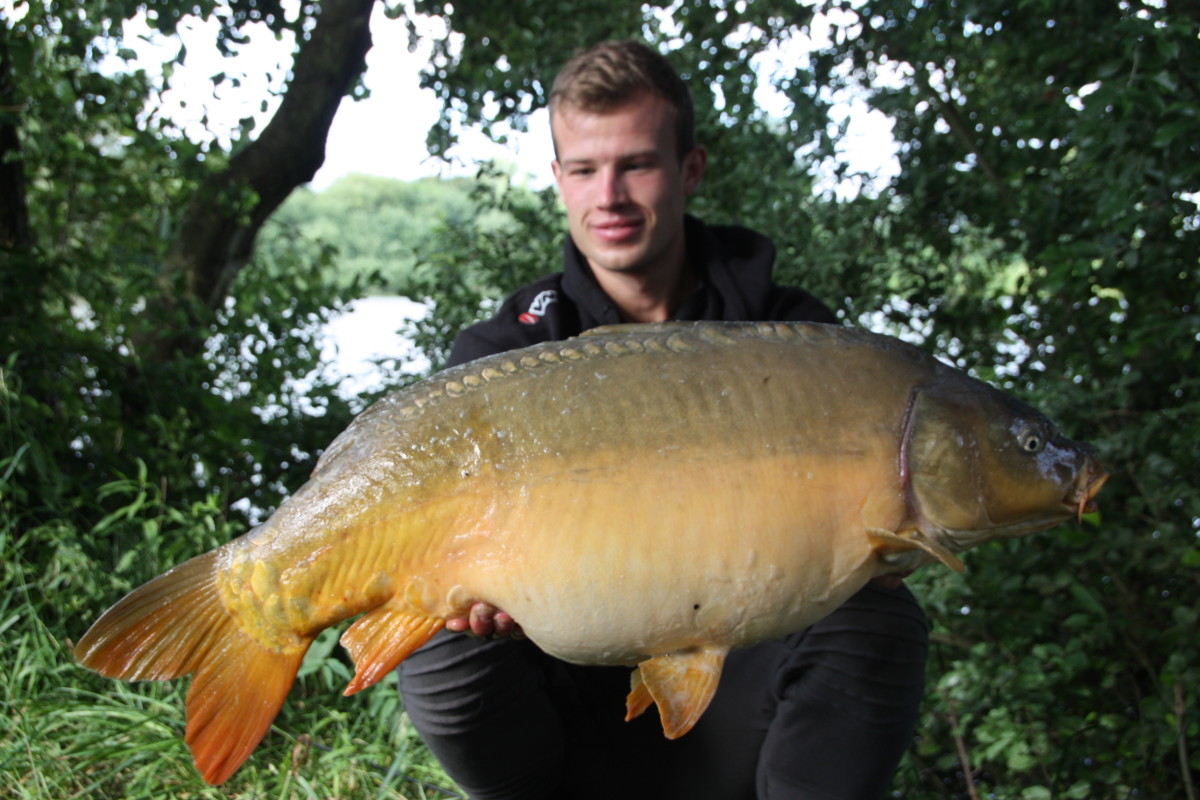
pixel 644 495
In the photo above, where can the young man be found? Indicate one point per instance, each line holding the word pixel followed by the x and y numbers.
pixel 824 713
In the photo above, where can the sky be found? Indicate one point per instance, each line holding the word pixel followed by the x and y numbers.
pixel 381 135
pixel 384 135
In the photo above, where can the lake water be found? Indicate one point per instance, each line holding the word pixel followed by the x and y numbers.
pixel 367 333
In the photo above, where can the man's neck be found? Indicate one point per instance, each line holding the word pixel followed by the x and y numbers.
pixel 642 297
pixel 649 295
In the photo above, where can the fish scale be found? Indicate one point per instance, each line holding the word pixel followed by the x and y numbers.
pixel 653 496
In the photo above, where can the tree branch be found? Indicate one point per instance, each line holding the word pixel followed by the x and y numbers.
pixel 964 757
pixel 948 111
pixel 218 230
pixel 1185 766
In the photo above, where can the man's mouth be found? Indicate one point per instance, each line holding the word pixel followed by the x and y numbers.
pixel 617 230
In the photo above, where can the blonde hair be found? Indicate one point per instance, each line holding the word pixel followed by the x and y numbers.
pixel 610 74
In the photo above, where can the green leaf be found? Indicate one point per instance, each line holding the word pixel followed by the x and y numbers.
pixel 1086 598
pixel 1169 132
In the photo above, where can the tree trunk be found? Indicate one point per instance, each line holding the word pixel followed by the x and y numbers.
pixel 14 212
pixel 218 230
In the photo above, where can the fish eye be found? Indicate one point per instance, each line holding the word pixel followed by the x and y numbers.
pixel 1031 441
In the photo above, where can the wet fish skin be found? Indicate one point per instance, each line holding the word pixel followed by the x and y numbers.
pixel 641 495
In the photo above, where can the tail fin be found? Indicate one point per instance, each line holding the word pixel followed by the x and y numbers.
pixel 177 624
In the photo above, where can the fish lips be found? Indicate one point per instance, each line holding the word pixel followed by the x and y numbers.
pixel 1082 498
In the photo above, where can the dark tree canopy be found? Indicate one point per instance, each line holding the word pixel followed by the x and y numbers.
pixel 1043 231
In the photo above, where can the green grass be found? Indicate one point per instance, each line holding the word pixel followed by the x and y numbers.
pixel 68 733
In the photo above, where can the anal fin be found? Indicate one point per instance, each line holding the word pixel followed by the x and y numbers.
pixel 886 542
pixel 682 684
pixel 380 639
pixel 639 698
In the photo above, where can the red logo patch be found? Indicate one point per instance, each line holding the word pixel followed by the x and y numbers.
pixel 537 309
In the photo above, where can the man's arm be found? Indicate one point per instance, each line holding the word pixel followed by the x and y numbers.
pixel 472 343
pixel 792 304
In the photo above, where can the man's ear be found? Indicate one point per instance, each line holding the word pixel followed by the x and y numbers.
pixel 694 164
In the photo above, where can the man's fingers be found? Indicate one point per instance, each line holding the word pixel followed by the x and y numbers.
pixel 505 625
pixel 483 619
pixel 891 581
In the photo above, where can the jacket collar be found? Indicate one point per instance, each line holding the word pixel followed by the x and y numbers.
pixel 733 265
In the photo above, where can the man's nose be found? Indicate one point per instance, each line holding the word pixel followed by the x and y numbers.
pixel 613 191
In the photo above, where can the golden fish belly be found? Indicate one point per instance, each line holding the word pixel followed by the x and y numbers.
pixel 696 476
pixel 605 566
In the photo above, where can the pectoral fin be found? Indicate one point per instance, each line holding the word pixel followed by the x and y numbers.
pixel 682 684
pixel 886 542
pixel 380 639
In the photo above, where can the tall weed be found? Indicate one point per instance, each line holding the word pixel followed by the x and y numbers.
pixel 66 732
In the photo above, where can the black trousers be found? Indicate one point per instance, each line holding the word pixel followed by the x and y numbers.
pixel 824 713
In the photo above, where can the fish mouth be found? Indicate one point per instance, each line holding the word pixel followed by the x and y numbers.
pixel 1082 498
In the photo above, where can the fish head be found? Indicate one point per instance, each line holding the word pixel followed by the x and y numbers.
pixel 980 465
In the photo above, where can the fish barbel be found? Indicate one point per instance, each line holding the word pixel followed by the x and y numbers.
pixel 648 495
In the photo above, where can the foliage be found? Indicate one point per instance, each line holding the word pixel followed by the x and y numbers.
pixel 377 225
pixel 114 466
pixel 1084 165
pixel 75 535
pixel 467 268
pixel 69 733
pixel 1043 231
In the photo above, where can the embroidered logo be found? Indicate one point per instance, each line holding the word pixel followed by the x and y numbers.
pixel 537 309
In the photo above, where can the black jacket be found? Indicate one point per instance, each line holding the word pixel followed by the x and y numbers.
pixel 734 267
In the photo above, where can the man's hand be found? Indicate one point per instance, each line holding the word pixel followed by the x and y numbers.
pixel 485 620
pixel 889 581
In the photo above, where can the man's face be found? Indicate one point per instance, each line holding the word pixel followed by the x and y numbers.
pixel 622 183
